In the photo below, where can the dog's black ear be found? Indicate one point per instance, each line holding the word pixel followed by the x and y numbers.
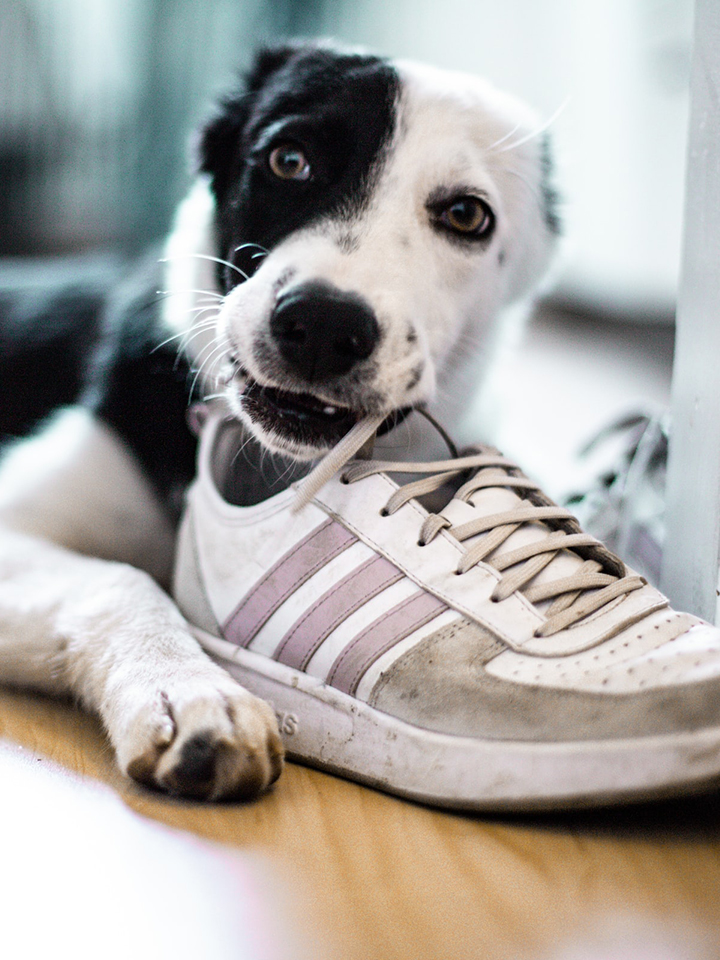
pixel 219 142
pixel 269 60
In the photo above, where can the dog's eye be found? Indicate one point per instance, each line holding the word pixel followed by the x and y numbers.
pixel 468 216
pixel 288 162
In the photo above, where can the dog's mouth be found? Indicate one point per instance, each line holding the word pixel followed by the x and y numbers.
pixel 297 419
pixel 301 423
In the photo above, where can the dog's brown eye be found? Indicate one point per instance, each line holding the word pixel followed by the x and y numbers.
pixel 469 216
pixel 289 163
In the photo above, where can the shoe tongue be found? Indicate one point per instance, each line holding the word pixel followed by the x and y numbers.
pixel 491 500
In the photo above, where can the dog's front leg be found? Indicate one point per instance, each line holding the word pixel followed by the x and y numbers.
pixel 104 632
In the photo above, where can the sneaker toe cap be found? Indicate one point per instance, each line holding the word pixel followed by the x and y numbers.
pixel 444 684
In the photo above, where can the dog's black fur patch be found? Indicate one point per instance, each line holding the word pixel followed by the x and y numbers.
pixel 141 386
pixel 64 343
pixel 44 332
pixel 338 108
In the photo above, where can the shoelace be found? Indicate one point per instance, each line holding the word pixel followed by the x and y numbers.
pixel 599 580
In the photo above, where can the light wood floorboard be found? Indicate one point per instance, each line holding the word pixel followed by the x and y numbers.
pixel 386 879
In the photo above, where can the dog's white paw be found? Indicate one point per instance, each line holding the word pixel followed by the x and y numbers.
pixel 204 737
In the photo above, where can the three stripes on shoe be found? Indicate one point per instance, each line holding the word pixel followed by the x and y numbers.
pixel 344 597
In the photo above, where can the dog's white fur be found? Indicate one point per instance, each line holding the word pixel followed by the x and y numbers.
pixel 85 539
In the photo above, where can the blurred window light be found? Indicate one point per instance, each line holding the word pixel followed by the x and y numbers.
pixel 100 96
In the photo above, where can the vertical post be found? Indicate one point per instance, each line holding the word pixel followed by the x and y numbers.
pixel 692 549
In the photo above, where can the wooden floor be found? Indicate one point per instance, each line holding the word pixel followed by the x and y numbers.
pixel 383 878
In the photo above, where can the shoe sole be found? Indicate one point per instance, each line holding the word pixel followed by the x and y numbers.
pixel 325 728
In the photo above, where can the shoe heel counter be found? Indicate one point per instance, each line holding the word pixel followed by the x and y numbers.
pixel 187 583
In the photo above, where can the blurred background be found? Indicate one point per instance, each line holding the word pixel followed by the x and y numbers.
pixel 99 100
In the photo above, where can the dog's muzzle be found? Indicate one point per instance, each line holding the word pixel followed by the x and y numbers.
pixel 322 332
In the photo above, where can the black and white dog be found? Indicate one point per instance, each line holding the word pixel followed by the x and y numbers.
pixel 356 229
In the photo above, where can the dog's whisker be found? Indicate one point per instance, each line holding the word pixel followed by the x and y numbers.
pixel 212 371
pixel 202 326
pixel 219 350
pixel 199 311
pixel 538 130
pixel 208 348
pixel 213 347
pixel 191 333
pixel 164 343
pixel 206 256
pixel 199 324
pixel 243 246
pixel 194 383
pixel 242 451
pixel 207 293
pixel 182 347
pixel 185 336
pixel 510 133
pixel 206 300
pixel 287 472
pixel 202 322
pixel 195 333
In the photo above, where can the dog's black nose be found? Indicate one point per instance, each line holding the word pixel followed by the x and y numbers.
pixel 321 331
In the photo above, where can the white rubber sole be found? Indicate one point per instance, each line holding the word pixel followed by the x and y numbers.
pixel 326 728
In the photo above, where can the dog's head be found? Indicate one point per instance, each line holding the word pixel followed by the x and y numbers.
pixel 374 216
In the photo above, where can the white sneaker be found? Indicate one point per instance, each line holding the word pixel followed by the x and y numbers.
pixel 487 656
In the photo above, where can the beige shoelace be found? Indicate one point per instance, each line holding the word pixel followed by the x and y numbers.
pixel 600 579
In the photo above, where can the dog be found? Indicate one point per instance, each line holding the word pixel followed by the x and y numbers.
pixel 357 228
